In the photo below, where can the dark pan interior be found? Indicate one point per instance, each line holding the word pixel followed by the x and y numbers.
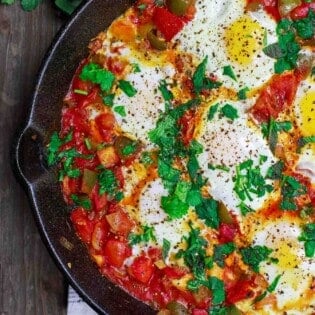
pixel 41 184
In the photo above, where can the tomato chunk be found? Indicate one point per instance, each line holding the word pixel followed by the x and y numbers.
pixel 167 23
pixel 276 97
pixel 227 232
pixel 119 222
pixel 302 10
pixel 83 225
pixel 175 272
pixel 197 311
pixel 141 269
pixel 99 235
pixel 116 252
pixel 241 291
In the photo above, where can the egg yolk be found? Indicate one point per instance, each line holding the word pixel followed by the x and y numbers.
pixel 285 252
pixel 307 107
pixel 243 38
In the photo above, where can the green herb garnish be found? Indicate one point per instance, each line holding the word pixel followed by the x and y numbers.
pixel 127 88
pixel 81 201
pixel 228 70
pixel 254 255
pixel 146 236
pixel 94 73
pixel 308 237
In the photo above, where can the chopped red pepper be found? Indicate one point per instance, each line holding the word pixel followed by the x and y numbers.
pixel 277 96
pixel 167 23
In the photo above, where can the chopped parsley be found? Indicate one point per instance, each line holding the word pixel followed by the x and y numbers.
pixel 127 88
pixel 229 111
pixel 166 93
pixel 228 70
pixel 196 259
pixel 174 207
pixel 108 184
pixel 168 174
pixel 54 146
pixel 121 110
pixel 290 188
pixel 146 236
pixel 286 50
pixel 221 251
pixel 304 141
pixel 67 157
pixel 254 255
pixel 249 180
pixel 200 81
pixel 218 167
pixel 242 93
pixel 308 237
pixel 208 211
pixel 135 68
pixel 245 209
pixel 271 129
pixel 129 149
pixel 165 248
pixel 305 28
pixel 146 158
pixel 82 201
pixel 270 289
pixel 109 100
pixel 94 73
pixel 275 170
pixel 212 111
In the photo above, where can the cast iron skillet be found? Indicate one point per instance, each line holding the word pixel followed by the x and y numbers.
pixel 41 184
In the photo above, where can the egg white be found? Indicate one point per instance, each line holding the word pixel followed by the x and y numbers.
pixel 228 35
pixel 296 270
pixel 152 214
pixel 229 143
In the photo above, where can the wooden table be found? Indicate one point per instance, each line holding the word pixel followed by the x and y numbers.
pixel 30 283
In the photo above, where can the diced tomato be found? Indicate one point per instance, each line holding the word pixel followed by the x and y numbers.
pixel 116 252
pixel 277 96
pixel 119 176
pixel 83 225
pixel 175 272
pixel 105 124
pixel 302 10
pixel 197 311
pixel 241 291
pixel 187 121
pixel 92 98
pixel 270 6
pixel 116 65
pixel 70 186
pixel 99 201
pixel 82 163
pixel 227 232
pixel 167 23
pixel 155 253
pixel 119 222
pixel 74 118
pixel 100 234
pixel 141 269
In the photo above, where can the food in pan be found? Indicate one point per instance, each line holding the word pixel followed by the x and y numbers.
pixel 187 155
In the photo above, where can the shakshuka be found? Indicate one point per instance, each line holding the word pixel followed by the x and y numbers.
pixel 187 155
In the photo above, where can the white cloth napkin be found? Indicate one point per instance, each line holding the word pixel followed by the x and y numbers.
pixel 76 306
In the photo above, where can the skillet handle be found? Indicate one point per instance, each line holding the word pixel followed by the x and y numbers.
pixel 28 155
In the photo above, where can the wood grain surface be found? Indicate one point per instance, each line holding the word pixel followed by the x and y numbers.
pixel 30 283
